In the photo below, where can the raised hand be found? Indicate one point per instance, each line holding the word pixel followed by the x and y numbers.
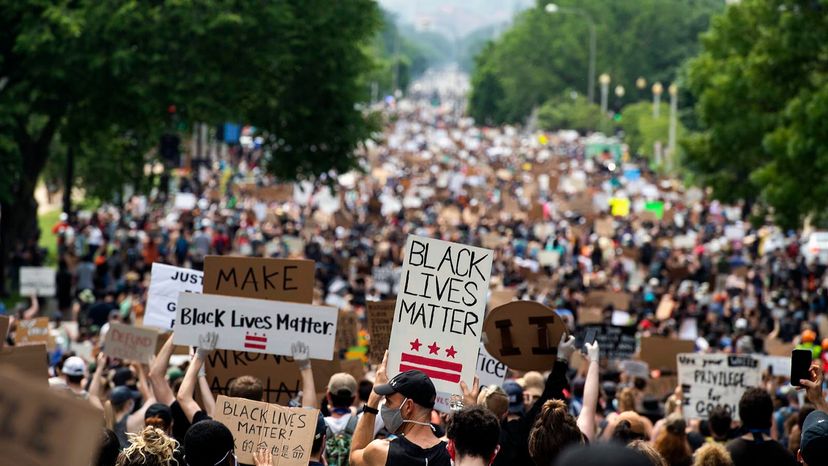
pixel 382 371
pixel 301 354
pixel 566 347
pixel 592 351
pixel 262 457
pixel 207 343
pixel 470 396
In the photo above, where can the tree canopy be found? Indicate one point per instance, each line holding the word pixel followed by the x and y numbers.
pixel 762 91
pixel 545 54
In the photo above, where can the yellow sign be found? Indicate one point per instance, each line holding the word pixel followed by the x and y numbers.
pixel 619 207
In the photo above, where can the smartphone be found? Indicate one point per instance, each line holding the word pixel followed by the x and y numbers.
pixel 591 333
pixel 800 365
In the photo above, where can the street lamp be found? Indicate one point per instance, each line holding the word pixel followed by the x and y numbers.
pixel 671 137
pixel 619 91
pixel 657 90
pixel 641 83
pixel 553 8
pixel 604 79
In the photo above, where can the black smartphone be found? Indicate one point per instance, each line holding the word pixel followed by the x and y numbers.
pixel 800 365
pixel 591 333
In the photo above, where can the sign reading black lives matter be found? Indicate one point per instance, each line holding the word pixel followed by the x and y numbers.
pixel 438 317
pixel 710 380
pixel 255 325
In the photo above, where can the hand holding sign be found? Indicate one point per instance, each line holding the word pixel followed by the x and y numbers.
pixel 813 387
pixel 301 354
pixel 566 347
pixel 593 351
pixel 207 343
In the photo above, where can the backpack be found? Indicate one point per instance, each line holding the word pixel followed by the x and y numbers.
pixel 338 446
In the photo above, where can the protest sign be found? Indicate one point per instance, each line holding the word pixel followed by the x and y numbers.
pixel 615 342
pixel 549 258
pixel 689 329
pixel 590 315
pixel 601 299
pixel 256 277
pixel 779 366
pixel 4 329
pixel 524 335
pixel 500 297
pixel 638 369
pixel 44 427
pixel 38 281
pixel 619 207
pixel 286 432
pixel 656 208
pixel 711 380
pixel 660 352
pixel 255 325
pixel 380 319
pixel 185 201
pixel 130 343
pixel 661 387
pixel 166 282
pixel 279 374
pixel 490 371
pixel 32 331
pixel 776 347
pixel 347 328
pixel 438 317
pixel 31 360
pixel 386 279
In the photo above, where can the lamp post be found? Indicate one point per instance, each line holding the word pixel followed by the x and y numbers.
pixel 604 79
pixel 657 90
pixel 671 137
pixel 553 8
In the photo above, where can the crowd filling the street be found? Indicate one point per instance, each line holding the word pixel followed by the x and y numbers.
pixel 641 321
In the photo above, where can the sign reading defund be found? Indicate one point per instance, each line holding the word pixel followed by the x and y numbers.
pixel 286 432
pixel 438 317
pixel 255 325
pixel 710 380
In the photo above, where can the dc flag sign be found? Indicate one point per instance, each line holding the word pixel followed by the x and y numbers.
pixel 438 316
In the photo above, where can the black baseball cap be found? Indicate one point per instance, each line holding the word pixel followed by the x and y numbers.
pixel 414 385
pixel 814 444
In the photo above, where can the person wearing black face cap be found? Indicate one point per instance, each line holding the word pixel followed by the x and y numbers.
pixel 409 399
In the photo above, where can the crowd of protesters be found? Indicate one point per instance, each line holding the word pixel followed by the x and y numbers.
pixel 436 174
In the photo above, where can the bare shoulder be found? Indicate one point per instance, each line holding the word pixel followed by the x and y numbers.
pixel 376 452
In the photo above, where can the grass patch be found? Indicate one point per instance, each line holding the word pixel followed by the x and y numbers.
pixel 48 240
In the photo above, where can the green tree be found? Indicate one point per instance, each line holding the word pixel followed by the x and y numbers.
pixel 543 54
pixel 575 113
pixel 761 86
pixel 98 76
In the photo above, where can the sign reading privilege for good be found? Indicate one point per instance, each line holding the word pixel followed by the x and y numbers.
pixel 255 325
pixel 286 432
pixel 130 343
pixel 438 317
pixel 38 281
pixel 165 283
pixel 711 380
pixel 256 277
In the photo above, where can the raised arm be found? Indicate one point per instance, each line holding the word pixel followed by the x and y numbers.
pixel 135 421
pixel 586 420
pixel 301 354
pixel 185 392
pixel 813 387
pixel 361 441
pixel 33 309
pixel 206 394
pixel 95 386
pixel 158 374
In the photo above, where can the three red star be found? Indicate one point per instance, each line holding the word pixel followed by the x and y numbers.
pixel 415 345
pixel 451 351
pixel 433 348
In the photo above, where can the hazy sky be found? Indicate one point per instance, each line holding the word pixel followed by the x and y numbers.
pixel 458 17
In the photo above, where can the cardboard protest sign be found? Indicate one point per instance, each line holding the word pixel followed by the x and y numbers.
pixel 615 342
pixel 775 347
pixel 38 281
pixel 490 371
pixel 438 318
pixel 256 277
pixel 711 380
pixel 660 352
pixel 279 374
pixel 661 387
pixel 500 297
pixel 31 360
pixel 131 343
pixel 4 329
pixel 32 331
pixel 605 227
pixel 524 335
pixel 347 328
pixel 380 319
pixel 601 299
pixel 590 315
pixel 286 432
pixel 255 325
pixel 43 427
pixel 166 282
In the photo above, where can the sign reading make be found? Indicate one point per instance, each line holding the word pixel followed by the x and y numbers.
pixel 438 317
pixel 255 325
pixel 711 380
pixel 256 277
pixel 165 283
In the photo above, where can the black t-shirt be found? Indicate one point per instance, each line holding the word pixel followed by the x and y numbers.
pixel 750 453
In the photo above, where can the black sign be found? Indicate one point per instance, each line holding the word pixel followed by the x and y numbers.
pixel 614 342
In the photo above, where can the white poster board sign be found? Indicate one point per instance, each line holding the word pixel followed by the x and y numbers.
pixel 38 281
pixel 490 371
pixel 780 366
pixel 438 317
pixel 185 201
pixel 255 325
pixel 166 282
pixel 710 380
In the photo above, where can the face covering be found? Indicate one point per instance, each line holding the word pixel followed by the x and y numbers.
pixel 392 417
